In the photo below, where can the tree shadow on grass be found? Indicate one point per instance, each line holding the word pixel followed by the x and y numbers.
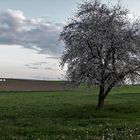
pixel 87 115
pixel 90 111
pixel 113 110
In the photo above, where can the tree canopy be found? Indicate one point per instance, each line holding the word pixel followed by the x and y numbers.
pixel 102 46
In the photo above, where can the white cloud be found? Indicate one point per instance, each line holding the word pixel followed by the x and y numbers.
pixel 37 34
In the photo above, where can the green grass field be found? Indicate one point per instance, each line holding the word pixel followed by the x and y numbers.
pixel 70 115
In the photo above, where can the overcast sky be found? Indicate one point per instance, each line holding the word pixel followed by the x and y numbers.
pixel 29 33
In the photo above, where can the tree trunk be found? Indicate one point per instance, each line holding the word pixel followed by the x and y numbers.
pixel 101 102
pixel 101 98
pixel 102 95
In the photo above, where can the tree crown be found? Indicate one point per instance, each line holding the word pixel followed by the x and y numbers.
pixel 102 45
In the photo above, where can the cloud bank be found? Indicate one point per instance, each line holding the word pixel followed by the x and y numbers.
pixel 38 34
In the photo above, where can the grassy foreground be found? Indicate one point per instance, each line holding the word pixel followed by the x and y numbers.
pixel 70 115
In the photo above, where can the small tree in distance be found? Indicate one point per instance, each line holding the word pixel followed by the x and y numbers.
pixel 102 46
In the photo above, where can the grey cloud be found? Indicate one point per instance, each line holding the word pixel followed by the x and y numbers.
pixel 38 34
pixel 53 57
pixel 35 65
pixel 48 68
pixel 30 66
pixel 35 68
pixel 27 65
pixel 38 63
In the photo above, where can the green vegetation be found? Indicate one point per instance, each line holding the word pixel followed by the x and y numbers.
pixel 70 115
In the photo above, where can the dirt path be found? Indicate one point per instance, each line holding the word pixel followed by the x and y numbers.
pixel 30 85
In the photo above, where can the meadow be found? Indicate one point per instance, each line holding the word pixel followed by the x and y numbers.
pixel 70 115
